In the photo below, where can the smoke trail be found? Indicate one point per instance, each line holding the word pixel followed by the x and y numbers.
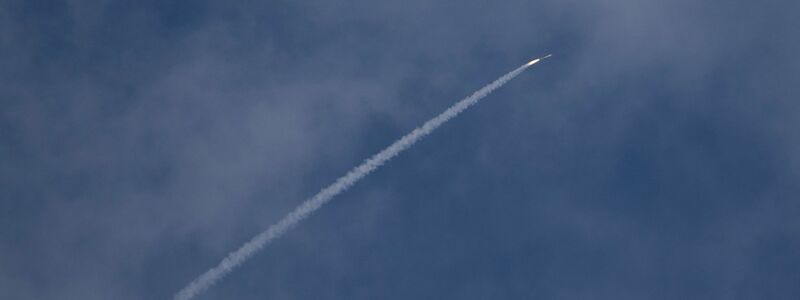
pixel 305 209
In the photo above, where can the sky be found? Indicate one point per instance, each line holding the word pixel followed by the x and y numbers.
pixel 654 156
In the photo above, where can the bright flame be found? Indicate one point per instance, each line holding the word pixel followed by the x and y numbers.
pixel 530 63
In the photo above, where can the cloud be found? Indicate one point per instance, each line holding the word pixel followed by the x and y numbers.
pixel 141 139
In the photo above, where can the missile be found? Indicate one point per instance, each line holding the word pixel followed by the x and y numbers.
pixel 537 60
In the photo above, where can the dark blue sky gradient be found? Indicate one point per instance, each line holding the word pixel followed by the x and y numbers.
pixel 654 156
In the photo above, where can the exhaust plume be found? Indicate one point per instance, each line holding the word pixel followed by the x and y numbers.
pixel 236 258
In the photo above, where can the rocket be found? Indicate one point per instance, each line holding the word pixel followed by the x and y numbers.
pixel 537 60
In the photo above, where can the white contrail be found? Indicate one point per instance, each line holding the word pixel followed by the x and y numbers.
pixel 305 209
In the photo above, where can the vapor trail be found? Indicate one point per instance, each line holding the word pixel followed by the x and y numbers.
pixel 305 209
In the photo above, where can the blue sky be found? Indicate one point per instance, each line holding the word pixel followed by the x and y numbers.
pixel 654 156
